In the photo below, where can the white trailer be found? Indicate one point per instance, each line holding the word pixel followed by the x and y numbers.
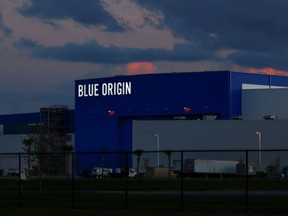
pixel 205 168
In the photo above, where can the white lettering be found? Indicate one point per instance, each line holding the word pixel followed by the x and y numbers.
pixel 110 88
pixel 104 89
pixel 118 89
pixel 80 91
pixel 107 89
pixel 127 88
pixel 96 89
pixel 85 92
pixel 89 90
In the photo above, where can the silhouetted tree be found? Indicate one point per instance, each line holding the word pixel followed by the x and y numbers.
pixel 27 146
pixel 168 154
pixel 138 154
pixel 37 145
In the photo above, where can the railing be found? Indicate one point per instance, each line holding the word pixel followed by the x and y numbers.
pixel 165 178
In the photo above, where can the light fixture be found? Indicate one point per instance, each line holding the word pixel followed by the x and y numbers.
pixel 111 112
pixel 187 109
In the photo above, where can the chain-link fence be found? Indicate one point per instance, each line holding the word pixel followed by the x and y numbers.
pixel 236 180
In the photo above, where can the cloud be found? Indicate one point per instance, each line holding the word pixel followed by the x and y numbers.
pixel 258 29
pixel 270 71
pixel 260 60
pixel 222 18
pixel 88 12
pixel 91 51
pixel 140 68
pixel 252 33
pixel 3 28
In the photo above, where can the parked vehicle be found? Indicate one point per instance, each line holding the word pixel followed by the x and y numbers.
pixel 99 172
pixel 132 173
pixel 122 173
pixel 241 170
pixel 205 168
pixel 13 172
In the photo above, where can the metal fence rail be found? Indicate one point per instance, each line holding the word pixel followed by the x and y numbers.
pixel 73 185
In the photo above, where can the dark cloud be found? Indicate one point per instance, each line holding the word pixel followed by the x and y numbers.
pixel 91 51
pixel 251 26
pixel 224 18
pixel 260 60
pixel 3 28
pixel 257 30
pixel 87 12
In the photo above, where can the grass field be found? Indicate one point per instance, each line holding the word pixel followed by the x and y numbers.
pixel 143 197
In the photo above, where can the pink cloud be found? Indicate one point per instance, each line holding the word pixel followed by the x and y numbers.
pixel 140 68
pixel 270 71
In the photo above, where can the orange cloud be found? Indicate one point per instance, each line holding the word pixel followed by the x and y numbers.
pixel 270 71
pixel 140 68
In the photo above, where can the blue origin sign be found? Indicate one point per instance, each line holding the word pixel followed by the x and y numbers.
pixel 104 89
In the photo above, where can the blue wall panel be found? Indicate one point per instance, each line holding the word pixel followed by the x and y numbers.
pixel 152 96
pixel 157 96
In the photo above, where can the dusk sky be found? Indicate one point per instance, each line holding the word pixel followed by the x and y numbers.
pixel 45 45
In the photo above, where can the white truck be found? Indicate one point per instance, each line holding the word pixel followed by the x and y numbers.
pixel 205 168
pixel 99 172
pixel 121 173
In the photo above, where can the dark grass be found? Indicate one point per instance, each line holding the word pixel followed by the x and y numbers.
pixel 144 197
pixel 148 202
pixel 93 212
pixel 147 184
pixel 155 205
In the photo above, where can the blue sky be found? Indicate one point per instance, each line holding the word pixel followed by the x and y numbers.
pixel 45 45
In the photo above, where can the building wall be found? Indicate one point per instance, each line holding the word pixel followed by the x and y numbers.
pixel 258 103
pixel 212 135
pixel 104 122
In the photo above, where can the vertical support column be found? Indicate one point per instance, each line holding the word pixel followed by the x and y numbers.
pixel 126 179
pixel 182 182
pixel 73 179
pixel 19 182
pixel 246 181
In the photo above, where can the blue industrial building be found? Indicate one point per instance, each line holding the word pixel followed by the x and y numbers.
pixel 105 108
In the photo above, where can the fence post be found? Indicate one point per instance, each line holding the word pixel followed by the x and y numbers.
pixel 246 182
pixel 182 181
pixel 126 179
pixel 73 179
pixel 19 181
